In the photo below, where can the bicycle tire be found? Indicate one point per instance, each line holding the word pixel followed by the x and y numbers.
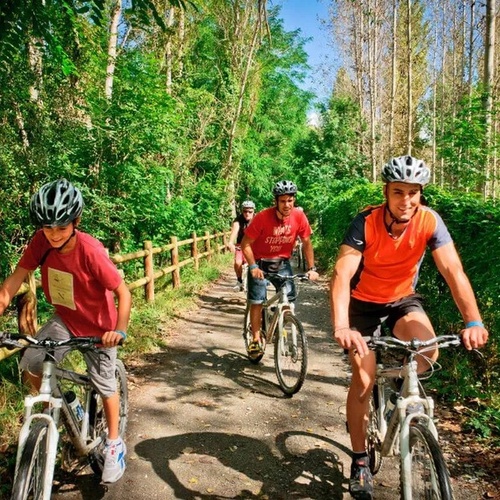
pixel 29 480
pixel 372 433
pixel 97 418
pixel 290 355
pixel 248 337
pixel 429 475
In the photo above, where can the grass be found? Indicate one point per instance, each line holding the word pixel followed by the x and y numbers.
pixel 148 332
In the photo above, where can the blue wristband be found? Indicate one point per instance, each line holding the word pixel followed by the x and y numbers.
pixel 252 266
pixel 470 324
pixel 122 333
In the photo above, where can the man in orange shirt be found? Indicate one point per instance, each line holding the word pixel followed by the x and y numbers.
pixel 374 282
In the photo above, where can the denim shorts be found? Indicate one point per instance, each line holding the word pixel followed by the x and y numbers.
pixel 101 367
pixel 368 317
pixel 257 289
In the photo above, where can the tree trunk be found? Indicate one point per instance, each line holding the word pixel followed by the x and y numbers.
pixel 113 42
pixel 488 79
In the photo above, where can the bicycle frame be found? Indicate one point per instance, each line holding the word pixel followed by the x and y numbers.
pixel 275 319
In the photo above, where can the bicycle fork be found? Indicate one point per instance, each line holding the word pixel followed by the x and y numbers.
pixel 52 437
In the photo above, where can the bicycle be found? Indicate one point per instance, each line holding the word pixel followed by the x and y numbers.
pixel 281 326
pixel 85 424
pixel 423 470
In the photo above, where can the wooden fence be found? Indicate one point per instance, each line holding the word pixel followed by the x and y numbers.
pixel 191 250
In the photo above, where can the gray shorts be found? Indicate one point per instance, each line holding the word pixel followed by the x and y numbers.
pixel 368 317
pixel 101 367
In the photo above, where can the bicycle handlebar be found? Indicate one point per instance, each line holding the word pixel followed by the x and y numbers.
pixel 13 341
pixel 299 276
pixel 414 344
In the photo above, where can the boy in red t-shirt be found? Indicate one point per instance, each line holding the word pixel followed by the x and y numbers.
pixel 81 282
pixel 268 244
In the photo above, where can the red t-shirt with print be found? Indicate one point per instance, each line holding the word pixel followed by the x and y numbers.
pixel 79 284
pixel 273 237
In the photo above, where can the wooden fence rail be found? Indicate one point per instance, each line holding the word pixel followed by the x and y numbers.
pixel 211 244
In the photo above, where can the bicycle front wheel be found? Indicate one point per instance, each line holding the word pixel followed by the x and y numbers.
pixel 32 476
pixel 290 355
pixel 97 417
pixel 429 477
pixel 373 433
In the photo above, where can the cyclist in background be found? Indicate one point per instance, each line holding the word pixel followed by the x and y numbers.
pixel 374 282
pixel 81 282
pixel 237 230
pixel 267 246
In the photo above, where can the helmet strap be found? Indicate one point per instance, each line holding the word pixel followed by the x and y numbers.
pixel 395 220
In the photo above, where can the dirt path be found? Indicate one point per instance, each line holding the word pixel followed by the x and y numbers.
pixel 207 424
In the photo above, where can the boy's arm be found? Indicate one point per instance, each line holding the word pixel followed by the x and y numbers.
pixel 11 286
pixel 124 299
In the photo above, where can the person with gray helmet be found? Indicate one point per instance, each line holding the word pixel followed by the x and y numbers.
pixel 268 245
pixel 238 227
pixel 81 282
pixel 374 281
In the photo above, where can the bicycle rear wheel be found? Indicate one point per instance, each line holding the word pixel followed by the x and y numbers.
pixel 248 337
pixel 32 474
pixel 97 417
pixel 429 477
pixel 290 355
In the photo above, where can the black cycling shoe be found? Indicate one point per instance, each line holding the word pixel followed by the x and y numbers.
pixel 361 481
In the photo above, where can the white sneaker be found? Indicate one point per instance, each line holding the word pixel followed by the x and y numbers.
pixel 114 460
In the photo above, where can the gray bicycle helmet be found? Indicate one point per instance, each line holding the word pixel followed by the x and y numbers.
pixel 248 204
pixel 284 187
pixel 56 204
pixel 406 169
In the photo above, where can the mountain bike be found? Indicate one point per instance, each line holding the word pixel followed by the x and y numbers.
pixel 58 403
pixel 401 422
pixel 281 327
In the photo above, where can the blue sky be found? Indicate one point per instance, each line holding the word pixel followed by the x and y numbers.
pixel 307 15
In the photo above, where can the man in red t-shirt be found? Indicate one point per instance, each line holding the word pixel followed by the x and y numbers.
pixel 374 282
pixel 81 282
pixel 267 246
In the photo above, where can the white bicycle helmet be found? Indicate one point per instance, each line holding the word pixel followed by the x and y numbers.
pixel 248 204
pixel 284 187
pixel 406 169
pixel 56 204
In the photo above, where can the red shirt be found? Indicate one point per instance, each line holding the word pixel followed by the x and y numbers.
pixel 273 237
pixel 79 284
pixel 389 268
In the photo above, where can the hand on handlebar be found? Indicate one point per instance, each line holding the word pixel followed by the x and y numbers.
pixel 351 339
pixel 312 275
pixel 257 273
pixel 111 339
pixel 474 337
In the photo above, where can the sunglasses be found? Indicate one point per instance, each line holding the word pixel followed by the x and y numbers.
pixel 248 211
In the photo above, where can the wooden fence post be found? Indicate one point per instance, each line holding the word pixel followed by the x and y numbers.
pixel 194 252
pixel 149 289
pixel 176 274
pixel 224 242
pixel 207 246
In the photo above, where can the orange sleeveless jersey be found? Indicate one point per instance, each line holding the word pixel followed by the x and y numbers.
pixel 389 268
